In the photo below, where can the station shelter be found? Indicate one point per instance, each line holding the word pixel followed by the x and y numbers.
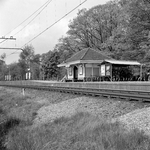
pixel 84 64
pixel 92 65
pixel 120 70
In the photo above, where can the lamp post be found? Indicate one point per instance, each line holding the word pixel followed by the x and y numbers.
pixel 9 74
pixel 141 72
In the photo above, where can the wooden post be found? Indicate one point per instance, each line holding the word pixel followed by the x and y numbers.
pixel 111 75
pixel 100 72
pixel 92 70
pixel 141 72
pixel 23 91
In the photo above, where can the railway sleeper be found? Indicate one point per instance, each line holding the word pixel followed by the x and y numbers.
pixel 106 95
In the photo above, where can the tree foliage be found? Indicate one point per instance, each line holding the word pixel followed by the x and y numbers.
pixel 27 60
pixel 2 66
pixel 119 28
pixel 51 71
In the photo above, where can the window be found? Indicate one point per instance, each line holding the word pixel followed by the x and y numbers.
pixel 80 69
pixel 107 70
pixel 70 71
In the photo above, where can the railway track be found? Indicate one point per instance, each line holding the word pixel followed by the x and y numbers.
pixel 143 96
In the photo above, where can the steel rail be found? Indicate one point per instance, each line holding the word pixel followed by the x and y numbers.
pixel 110 93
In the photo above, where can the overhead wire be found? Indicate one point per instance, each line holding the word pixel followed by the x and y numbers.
pixel 55 22
pixel 12 53
pixel 3 41
pixel 46 3
pixel 32 18
pixel 51 25
pixel 28 17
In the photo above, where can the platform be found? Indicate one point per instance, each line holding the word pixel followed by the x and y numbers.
pixel 130 86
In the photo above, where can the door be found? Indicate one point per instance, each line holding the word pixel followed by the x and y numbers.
pixel 75 73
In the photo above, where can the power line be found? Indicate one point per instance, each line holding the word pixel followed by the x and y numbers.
pixel 55 22
pixel 51 25
pixel 33 18
pixel 27 19
pixel 14 51
pixel 10 48
pixel 3 41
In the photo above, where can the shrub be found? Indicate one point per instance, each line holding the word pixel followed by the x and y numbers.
pixel 5 126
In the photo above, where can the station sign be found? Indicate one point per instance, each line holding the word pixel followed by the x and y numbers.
pixel 108 70
pixel 103 70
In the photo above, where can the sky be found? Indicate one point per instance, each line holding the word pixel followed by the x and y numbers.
pixel 14 12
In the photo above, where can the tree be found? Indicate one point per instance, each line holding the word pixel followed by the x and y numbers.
pixel 51 71
pixel 66 48
pixel 3 56
pixel 93 28
pixel 28 60
pixel 2 66
pixel 35 66
pixel 138 30
pixel 27 54
pixel 15 71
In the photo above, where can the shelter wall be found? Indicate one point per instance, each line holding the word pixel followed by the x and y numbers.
pixel 69 73
pixel 84 70
pixel 81 72
pixel 92 70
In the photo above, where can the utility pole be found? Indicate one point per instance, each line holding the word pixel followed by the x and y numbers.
pixel 5 39
pixel 11 48
pixel 10 38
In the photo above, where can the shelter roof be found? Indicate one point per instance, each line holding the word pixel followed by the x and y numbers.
pixel 87 54
pixel 122 62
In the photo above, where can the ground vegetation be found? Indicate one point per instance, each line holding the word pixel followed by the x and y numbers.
pixel 91 124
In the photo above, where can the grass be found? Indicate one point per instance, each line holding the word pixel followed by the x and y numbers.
pixel 15 105
pixel 15 110
pixel 80 132
pixel 5 127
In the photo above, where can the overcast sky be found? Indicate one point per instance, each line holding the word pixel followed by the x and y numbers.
pixel 13 12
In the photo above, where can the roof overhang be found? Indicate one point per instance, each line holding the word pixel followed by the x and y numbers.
pixel 68 64
pixel 123 62
pixel 61 65
pixel 116 62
